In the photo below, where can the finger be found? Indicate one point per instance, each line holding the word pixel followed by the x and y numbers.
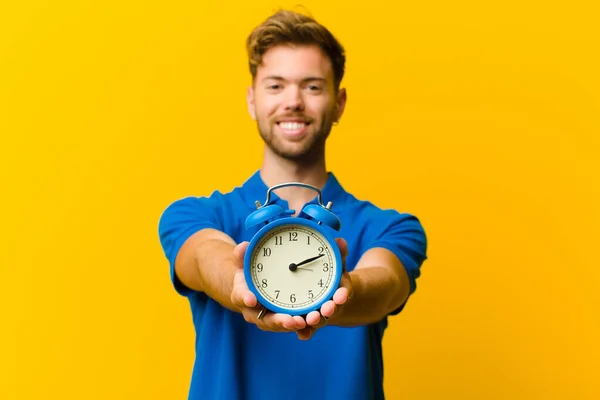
pixel 238 254
pixel 328 309
pixel 243 298
pixel 343 245
pixel 277 322
pixel 300 322
pixel 306 333
pixel 313 318
pixel 341 295
pixel 345 291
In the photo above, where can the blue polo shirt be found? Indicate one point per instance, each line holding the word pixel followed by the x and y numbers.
pixel 237 361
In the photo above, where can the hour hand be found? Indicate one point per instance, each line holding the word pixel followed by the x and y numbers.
pixel 294 266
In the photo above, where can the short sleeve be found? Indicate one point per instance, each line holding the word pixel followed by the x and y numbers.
pixel 404 236
pixel 178 222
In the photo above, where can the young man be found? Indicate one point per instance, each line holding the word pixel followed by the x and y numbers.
pixel 295 98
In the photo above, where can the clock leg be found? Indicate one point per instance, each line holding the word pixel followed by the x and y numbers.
pixel 262 313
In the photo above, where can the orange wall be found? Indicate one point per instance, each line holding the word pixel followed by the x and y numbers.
pixel 481 119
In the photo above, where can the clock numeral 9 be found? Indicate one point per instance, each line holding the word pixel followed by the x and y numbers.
pixel 259 267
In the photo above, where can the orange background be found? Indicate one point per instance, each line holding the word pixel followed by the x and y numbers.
pixel 482 119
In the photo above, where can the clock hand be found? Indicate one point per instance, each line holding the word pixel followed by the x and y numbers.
pixel 294 266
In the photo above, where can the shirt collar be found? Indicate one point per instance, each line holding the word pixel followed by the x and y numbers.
pixel 255 189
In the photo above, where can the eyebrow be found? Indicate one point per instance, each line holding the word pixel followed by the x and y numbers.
pixel 307 79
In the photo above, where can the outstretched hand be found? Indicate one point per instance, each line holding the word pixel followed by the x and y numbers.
pixel 247 304
pixel 246 301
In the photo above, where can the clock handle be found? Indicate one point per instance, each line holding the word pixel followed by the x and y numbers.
pixel 304 185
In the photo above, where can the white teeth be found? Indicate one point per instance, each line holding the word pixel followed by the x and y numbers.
pixel 292 126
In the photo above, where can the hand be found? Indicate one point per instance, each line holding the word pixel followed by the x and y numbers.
pixel 294 266
pixel 315 319
pixel 247 304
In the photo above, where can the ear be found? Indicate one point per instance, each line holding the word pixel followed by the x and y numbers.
pixel 340 103
pixel 250 101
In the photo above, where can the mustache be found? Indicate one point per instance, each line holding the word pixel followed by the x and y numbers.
pixel 300 117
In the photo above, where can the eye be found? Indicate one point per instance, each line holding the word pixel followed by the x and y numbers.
pixel 314 88
pixel 274 86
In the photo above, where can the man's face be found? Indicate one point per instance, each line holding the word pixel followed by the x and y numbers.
pixel 294 101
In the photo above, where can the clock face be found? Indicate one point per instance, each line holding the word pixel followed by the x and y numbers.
pixel 293 267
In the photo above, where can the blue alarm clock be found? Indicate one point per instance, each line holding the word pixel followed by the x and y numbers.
pixel 293 264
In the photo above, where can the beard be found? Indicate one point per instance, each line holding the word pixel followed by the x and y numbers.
pixel 306 151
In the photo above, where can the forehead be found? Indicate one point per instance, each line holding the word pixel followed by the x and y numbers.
pixel 295 62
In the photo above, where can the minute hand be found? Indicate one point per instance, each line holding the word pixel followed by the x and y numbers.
pixel 294 266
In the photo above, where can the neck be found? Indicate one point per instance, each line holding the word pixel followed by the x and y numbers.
pixel 276 170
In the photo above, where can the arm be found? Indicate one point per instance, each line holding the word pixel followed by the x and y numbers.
pixel 205 263
pixel 204 259
pixel 383 279
pixel 380 285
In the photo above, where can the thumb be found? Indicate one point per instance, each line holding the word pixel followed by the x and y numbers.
pixel 238 254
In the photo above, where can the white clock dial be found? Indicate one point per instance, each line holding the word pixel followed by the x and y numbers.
pixel 293 266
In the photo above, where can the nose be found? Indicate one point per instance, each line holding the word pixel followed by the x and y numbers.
pixel 293 99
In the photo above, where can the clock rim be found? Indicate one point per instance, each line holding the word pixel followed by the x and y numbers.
pixel 325 231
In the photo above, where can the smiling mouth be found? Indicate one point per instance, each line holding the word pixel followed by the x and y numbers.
pixel 293 127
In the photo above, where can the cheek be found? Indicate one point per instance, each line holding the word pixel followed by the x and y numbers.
pixel 265 108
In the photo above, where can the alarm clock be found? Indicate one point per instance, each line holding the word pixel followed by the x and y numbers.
pixel 293 264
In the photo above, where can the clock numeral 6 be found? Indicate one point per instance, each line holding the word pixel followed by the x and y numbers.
pixel 293 298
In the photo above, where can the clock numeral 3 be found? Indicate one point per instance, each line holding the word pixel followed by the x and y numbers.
pixel 325 267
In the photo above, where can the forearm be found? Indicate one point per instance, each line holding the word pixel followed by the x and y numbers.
pixel 216 269
pixel 377 291
pixel 206 264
